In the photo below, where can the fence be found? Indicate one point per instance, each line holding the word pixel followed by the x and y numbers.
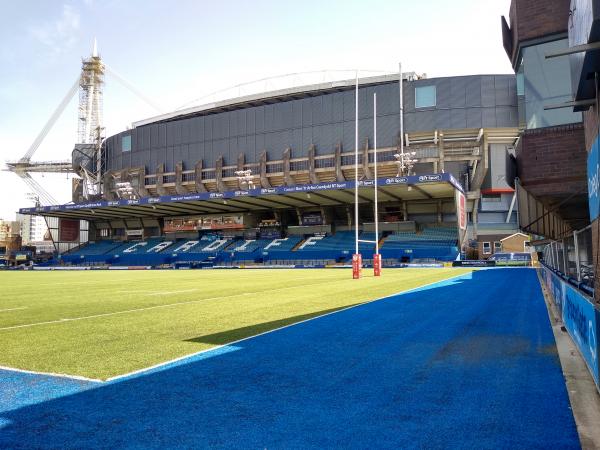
pixel 573 256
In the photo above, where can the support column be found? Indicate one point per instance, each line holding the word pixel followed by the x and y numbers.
pixel 219 174
pixel 264 180
pixel 241 160
pixel 198 172
pixel 141 176
pixel 339 175
pixel 179 179
pixel 107 183
pixel 441 166
pixel 475 216
pixel 312 175
pixel 365 164
pixel 287 178
pixel 160 171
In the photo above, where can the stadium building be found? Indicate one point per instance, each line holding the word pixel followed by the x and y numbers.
pixel 555 62
pixel 269 178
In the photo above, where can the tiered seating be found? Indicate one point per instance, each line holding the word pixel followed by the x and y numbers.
pixel 143 253
pixel 92 252
pixel 198 250
pixel 434 242
pixel 437 243
pixel 323 249
pixel 282 245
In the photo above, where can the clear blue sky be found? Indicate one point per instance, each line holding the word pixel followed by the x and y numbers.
pixel 174 52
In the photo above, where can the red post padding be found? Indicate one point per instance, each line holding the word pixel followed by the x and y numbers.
pixel 377 265
pixel 356 265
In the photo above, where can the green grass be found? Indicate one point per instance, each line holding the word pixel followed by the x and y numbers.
pixel 191 311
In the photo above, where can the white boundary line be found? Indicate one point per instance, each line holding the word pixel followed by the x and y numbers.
pixel 13 309
pixel 168 305
pixel 50 374
pixel 191 355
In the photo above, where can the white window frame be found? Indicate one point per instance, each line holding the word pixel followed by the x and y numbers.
pixel 489 245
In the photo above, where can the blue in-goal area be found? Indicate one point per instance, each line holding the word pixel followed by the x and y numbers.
pixel 466 363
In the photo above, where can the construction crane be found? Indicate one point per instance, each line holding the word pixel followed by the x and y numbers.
pixel 86 159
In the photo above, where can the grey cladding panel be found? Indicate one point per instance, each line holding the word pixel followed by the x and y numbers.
pixel 473 92
pixel 488 91
pixel 458 92
pixel 506 116
pixel 474 118
pixel 323 120
pixel 488 117
pixel 443 98
pixel 443 119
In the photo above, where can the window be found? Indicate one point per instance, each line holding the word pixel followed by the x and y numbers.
pixel 546 82
pixel 126 143
pixel 487 249
pixel 491 198
pixel 497 246
pixel 424 96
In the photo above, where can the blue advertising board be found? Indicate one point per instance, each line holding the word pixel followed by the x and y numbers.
pixel 580 317
pixel 593 179
pixel 279 190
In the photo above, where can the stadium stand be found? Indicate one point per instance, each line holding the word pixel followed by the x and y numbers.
pixel 430 244
pixel 437 243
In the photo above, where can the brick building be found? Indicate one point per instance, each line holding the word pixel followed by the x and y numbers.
pixel 558 121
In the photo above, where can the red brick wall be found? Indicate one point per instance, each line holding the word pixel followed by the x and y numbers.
pixel 531 19
pixel 590 123
pixel 552 161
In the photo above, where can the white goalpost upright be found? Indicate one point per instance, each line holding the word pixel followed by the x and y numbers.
pixel 357 258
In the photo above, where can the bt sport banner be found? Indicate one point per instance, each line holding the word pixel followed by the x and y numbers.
pixel 580 317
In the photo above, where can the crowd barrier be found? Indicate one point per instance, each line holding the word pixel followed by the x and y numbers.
pixel 579 315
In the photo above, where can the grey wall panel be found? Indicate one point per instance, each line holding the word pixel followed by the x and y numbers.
pixel 408 96
pixel 458 92
pixel 443 93
pixel 387 131
pixel 443 119
pixel 488 117
pixel 474 118
pixel 473 92
pixel 506 116
pixel 410 123
pixel 323 120
pixel 425 120
pixel 488 91
pixel 458 118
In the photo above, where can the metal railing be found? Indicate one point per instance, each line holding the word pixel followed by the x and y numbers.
pixel 573 256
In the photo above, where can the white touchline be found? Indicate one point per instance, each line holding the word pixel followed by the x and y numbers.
pixel 13 309
pixel 191 355
pixel 49 374
pixel 94 316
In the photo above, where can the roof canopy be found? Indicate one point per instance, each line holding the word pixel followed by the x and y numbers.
pixel 411 188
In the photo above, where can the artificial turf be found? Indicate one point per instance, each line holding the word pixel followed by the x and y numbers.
pixel 468 363
pixel 45 324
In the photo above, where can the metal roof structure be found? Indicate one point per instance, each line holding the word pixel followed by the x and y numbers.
pixel 410 188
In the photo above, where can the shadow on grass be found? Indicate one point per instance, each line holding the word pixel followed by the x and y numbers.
pixel 230 336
